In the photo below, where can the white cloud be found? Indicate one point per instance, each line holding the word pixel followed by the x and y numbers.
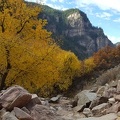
pixel 114 39
pixel 58 7
pixel 61 1
pixel 53 0
pixel 38 1
pixel 104 15
pixel 102 4
pixel 57 1
pixel 117 20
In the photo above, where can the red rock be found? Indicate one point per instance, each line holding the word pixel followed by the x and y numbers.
pixel 14 96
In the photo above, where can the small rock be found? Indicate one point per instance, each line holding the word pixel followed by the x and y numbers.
pixel 118 114
pixel 109 92
pixel 55 99
pixel 113 84
pixel 111 100
pixel 118 86
pixel 78 108
pixel 87 112
pixel 111 116
pixel 100 91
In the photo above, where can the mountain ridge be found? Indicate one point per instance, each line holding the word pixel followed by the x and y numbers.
pixel 73 27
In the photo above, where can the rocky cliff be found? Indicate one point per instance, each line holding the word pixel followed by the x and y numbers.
pixel 75 31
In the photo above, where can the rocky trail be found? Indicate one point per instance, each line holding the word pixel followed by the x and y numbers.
pixel 99 103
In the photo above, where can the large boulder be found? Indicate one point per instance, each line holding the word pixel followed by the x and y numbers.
pixel 14 96
pixel 85 97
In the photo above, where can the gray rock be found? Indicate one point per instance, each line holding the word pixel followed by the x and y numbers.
pixel 113 84
pixel 55 99
pixel 114 108
pixel 78 108
pixel 87 112
pixel 21 115
pixel 100 109
pixel 100 90
pixel 97 101
pixel 85 97
pixel 118 86
pixel 110 92
pixel 111 116
pixel 25 110
pixel 40 112
pixel 117 98
pixel 8 116
pixel 111 100
pixel 2 112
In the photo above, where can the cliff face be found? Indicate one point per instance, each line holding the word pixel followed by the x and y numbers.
pixel 75 30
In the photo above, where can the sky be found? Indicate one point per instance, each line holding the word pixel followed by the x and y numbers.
pixel 101 13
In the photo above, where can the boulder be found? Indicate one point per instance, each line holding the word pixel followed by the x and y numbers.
pixel 113 84
pixel 110 92
pixel 111 116
pixel 97 101
pixel 85 97
pixel 117 98
pixel 78 108
pixel 21 115
pixel 100 109
pixel 114 108
pixel 33 102
pixel 14 96
pixel 100 91
pixel 25 110
pixel 118 86
pixel 8 116
pixel 40 112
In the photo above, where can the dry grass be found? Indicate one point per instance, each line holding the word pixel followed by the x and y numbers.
pixel 109 75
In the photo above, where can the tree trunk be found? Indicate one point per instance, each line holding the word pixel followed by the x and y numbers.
pixel 8 67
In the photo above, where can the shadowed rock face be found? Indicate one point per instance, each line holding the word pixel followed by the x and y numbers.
pixel 75 30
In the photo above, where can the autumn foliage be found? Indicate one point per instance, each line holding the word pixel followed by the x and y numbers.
pixel 28 55
pixel 107 58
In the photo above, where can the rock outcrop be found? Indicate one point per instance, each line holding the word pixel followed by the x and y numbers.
pixel 18 104
pixel 87 105
pixel 75 30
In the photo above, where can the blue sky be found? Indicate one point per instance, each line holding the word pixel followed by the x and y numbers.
pixel 101 13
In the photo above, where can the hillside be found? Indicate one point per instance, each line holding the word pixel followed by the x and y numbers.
pixel 75 31
pixel 118 43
